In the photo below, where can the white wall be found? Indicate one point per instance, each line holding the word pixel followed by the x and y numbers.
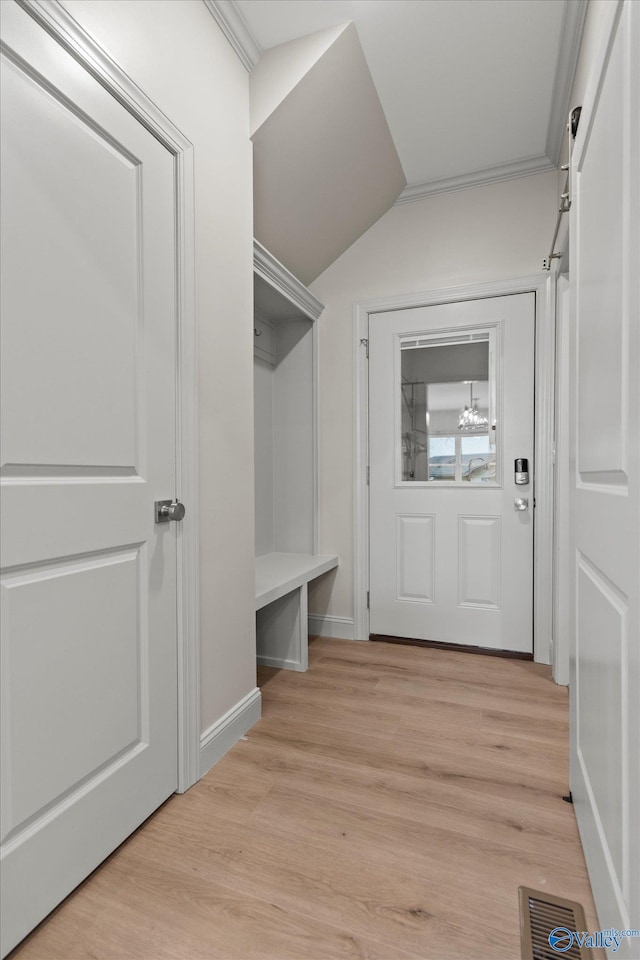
pixel 175 52
pixel 264 478
pixel 487 233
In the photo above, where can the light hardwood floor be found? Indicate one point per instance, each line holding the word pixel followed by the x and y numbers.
pixel 388 805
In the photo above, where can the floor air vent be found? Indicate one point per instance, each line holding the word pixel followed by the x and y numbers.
pixel 546 921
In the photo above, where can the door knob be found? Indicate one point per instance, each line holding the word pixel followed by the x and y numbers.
pixel 521 503
pixel 166 510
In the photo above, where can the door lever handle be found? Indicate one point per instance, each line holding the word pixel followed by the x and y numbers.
pixel 521 503
pixel 166 510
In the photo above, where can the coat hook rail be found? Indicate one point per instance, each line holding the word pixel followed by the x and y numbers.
pixel 565 197
pixel 565 206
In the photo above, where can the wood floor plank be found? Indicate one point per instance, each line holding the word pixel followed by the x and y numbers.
pixel 358 719
pixel 404 661
pixel 427 709
pixel 435 758
pixel 526 822
pixel 330 880
pixel 388 805
pixel 470 695
pixel 424 850
pixel 171 913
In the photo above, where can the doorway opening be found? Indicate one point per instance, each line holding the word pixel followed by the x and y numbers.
pixel 540 493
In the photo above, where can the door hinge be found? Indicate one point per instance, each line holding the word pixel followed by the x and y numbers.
pixel 364 342
pixel 368 475
pixel 368 600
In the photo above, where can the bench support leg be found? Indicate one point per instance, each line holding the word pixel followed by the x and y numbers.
pixel 282 633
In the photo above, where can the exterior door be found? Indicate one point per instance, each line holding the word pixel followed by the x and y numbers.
pixel 605 477
pixel 450 413
pixel 89 715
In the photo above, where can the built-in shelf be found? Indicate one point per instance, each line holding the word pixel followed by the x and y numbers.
pixel 277 574
pixel 285 351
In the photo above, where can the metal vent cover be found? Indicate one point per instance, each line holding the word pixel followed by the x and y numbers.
pixel 540 914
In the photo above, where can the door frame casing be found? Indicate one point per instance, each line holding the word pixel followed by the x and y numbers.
pixel 543 287
pixel 561 551
pixel 60 25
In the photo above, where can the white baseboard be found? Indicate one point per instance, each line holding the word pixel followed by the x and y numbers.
pixel 339 627
pixel 221 735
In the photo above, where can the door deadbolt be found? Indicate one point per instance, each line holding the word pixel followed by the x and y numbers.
pixel 166 510
pixel 521 470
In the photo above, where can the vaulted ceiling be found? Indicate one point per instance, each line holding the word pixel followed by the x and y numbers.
pixel 360 104
pixel 473 90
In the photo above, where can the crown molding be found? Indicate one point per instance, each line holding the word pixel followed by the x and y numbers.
pixel 227 15
pixel 570 39
pixel 478 178
pixel 282 280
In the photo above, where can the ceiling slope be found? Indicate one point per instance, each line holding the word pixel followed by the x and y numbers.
pixel 474 91
pixel 282 68
pixel 325 165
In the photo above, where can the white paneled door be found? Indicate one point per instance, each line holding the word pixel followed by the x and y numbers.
pixel 605 477
pixel 89 725
pixel 450 433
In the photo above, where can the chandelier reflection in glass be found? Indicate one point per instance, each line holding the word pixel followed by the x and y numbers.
pixel 470 419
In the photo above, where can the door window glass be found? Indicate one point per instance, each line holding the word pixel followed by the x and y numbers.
pixel 447 417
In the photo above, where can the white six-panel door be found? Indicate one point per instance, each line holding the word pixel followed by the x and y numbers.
pixel 89 411
pixel 451 559
pixel 605 476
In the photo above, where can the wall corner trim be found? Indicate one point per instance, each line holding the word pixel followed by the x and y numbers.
pixel 282 280
pixel 221 735
pixel 227 15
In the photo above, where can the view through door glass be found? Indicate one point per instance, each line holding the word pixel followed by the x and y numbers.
pixel 448 431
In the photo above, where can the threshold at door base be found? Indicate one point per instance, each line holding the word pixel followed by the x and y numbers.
pixel 456 647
